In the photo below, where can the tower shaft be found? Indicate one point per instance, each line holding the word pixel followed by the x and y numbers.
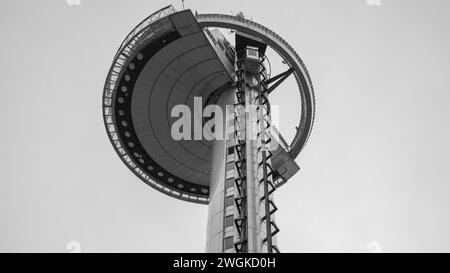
pixel 241 206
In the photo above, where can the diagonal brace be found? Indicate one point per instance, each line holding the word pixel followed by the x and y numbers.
pixel 278 79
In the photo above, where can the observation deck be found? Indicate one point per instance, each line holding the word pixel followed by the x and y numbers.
pixel 167 60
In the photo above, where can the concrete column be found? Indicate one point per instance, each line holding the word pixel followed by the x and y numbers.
pixel 217 211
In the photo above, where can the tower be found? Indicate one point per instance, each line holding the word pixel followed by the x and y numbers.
pixel 171 69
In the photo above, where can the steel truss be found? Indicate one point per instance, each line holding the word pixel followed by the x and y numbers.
pixel 264 140
pixel 240 200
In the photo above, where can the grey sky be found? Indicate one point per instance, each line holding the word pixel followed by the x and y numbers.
pixel 375 168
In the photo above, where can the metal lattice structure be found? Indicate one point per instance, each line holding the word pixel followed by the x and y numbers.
pixel 265 139
pixel 240 124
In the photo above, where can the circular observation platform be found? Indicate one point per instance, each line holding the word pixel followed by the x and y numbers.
pixel 165 61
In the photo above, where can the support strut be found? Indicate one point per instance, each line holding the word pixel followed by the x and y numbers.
pixel 240 200
pixel 265 140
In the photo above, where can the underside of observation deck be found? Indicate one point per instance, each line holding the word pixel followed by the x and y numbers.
pixel 174 64
pixel 167 60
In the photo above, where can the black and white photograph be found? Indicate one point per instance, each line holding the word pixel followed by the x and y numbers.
pixel 225 128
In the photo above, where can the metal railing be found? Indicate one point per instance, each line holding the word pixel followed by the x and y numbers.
pixel 128 46
pixel 126 50
pixel 164 12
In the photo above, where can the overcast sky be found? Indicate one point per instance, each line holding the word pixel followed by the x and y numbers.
pixel 376 168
